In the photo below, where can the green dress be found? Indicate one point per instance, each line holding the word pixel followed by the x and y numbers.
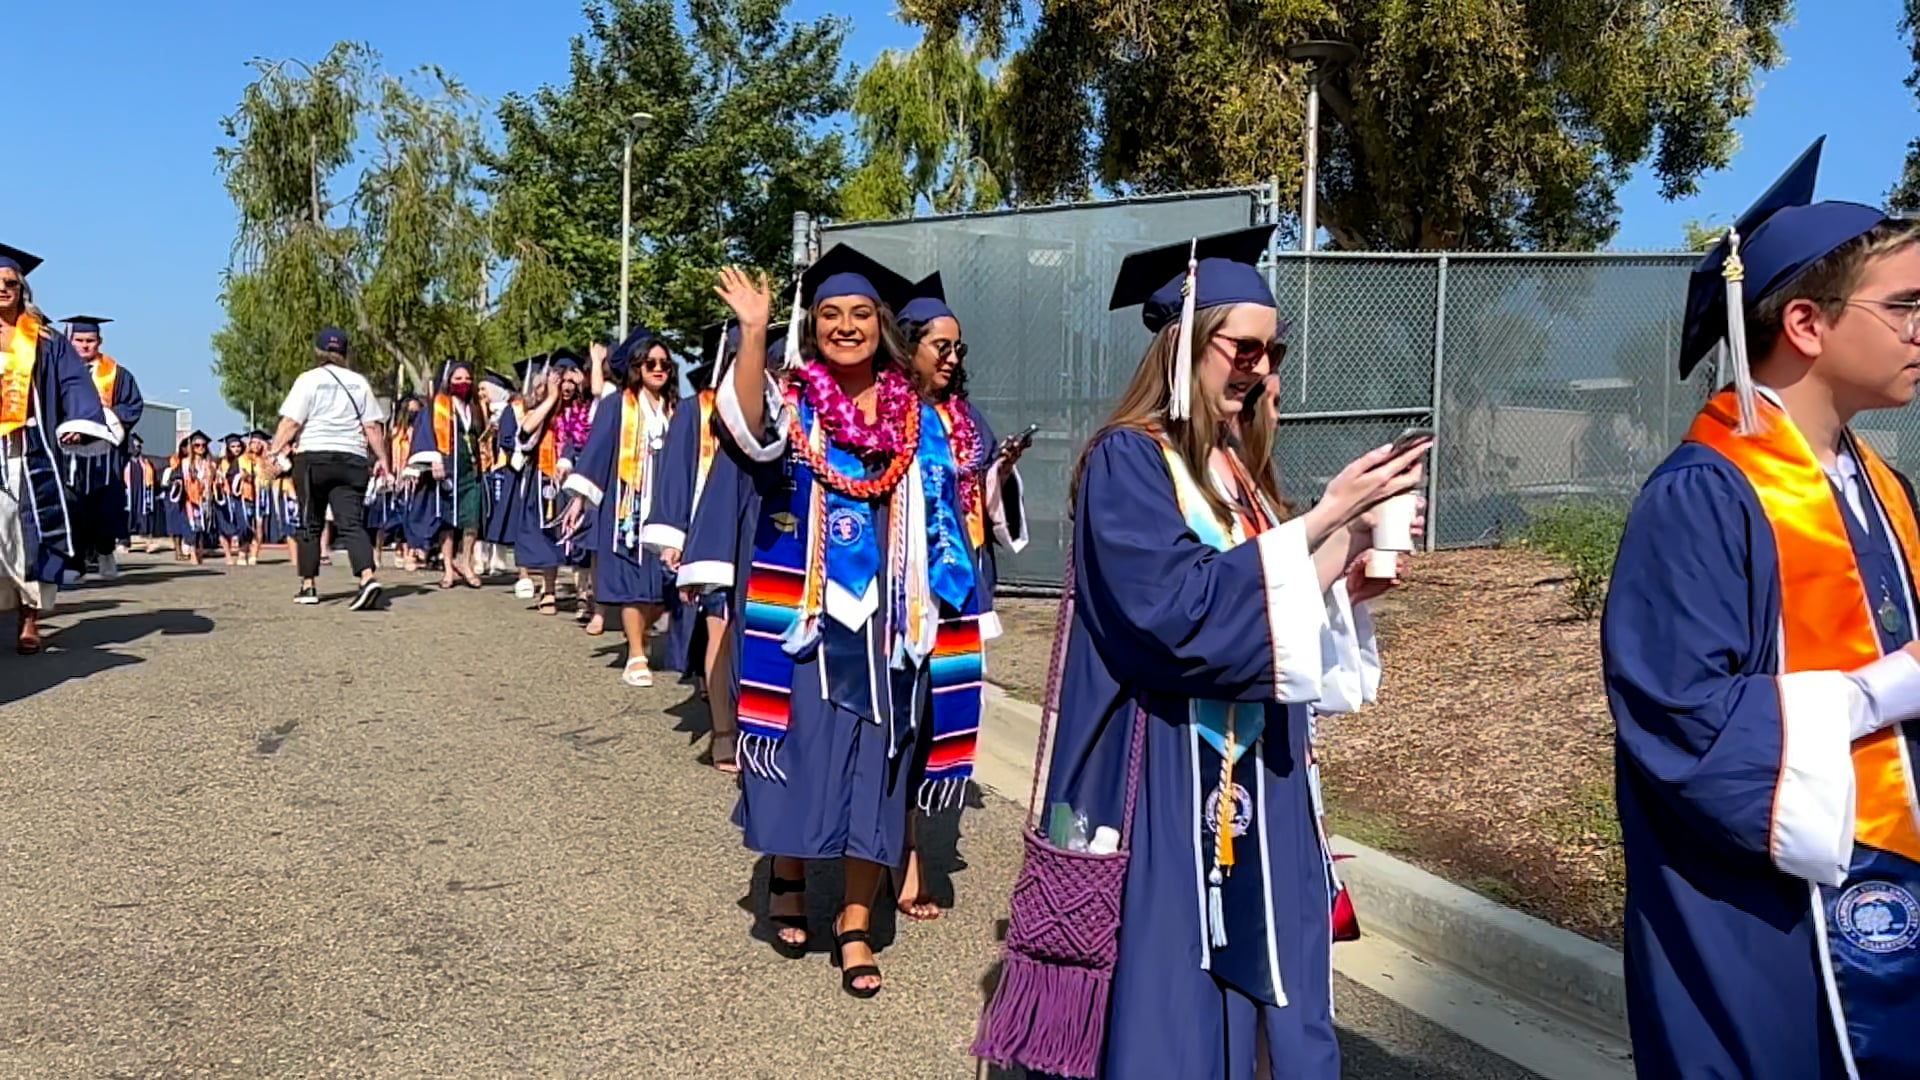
pixel 466 470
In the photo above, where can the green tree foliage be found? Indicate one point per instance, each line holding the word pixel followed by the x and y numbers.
pixel 1463 124
pixel 930 126
pixel 738 97
pixel 1905 196
pixel 1702 235
pixel 402 258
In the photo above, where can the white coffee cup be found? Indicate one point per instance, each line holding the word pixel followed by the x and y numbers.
pixel 1392 534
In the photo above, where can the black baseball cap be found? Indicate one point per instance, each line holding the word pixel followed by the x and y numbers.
pixel 331 340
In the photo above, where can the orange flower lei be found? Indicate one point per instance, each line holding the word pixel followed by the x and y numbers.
pixel 866 490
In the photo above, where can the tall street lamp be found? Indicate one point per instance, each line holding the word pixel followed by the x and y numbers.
pixel 1325 56
pixel 635 124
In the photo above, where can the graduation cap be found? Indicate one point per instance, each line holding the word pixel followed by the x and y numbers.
pixel 929 302
pixel 199 436
pixel 564 359
pixel 502 381
pixel 777 341
pixel 1780 235
pixel 85 324
pixel 719 344
pixel 843 271
pixel 232 438
pixel 261 435
pixel 1174 281
pixel 629 352
pixel 20 261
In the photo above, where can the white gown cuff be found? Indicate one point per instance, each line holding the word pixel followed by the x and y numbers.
pixel 1007 509
pixel 752 443
pixel 583 487
pixel 1892 688
pixel 429 458
pixel 662 536
pixel 100 433
pixel 990 625
pixel 1350 655
pixel 1296 611
pixel 706 574
pixel 1811 834
pixel 115 428
pixel 518 461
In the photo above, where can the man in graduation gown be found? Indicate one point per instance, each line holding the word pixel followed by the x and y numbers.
pixel 1760 665
pixel 99 483
pixel 49 414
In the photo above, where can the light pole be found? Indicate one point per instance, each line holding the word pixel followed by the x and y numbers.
pixel 1324 56
pixel 635 124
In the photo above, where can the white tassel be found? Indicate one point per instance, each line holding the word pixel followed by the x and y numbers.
pixel 719 350
pixel 1735 273
pixel 1180 394
pixel 794 322
pixel 1216 910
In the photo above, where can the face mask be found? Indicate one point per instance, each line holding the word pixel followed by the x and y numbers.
pixel 460 390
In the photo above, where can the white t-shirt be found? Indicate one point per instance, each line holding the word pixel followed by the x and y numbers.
pixel 331 403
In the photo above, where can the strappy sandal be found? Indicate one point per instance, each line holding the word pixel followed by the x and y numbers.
pixel 548 605
pixel 596 625
pixel 779 886
pixel 848 976
pixel 637 673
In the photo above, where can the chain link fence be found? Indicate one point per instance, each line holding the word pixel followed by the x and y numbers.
pixel 1546 376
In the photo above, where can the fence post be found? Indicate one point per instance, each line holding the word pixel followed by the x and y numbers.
pixel 1439 368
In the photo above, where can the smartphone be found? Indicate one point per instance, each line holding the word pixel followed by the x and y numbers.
pixel 1409 437
pixel 1022 440
pixel 1254 393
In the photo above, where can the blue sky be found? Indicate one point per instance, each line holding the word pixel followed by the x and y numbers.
pixel 122 104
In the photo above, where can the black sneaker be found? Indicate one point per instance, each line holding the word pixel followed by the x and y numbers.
pixel 367 597
pixel 307 595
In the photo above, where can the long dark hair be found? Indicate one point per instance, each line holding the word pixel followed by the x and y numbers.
pixel 636 375
pixel 912 331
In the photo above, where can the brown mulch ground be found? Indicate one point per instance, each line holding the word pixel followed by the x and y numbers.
pixel 1488 758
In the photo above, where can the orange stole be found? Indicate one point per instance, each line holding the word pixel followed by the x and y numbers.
pixel 105 370
pixel 1826 617
pixel 16 374
pixel 709 438
pixel 443 425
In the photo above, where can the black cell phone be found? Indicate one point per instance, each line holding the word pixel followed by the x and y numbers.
pixel 1022 440
pixel 1409 437
pixel 1254 393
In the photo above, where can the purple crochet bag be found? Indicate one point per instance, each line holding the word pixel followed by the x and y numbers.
pixel 1049 1013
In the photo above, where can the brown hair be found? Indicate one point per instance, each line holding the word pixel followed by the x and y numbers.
pixel 1143 407
pixel 892 348
pixel 1827 282
pixel 670 391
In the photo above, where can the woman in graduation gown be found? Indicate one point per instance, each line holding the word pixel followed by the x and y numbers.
pixel 230 506
pixel 699 460
pixel 536 542
pixel 447 505
pixel 616 474
pixel 989 498
pixel 1201 610
pixel 501 435
pixel 196 492
pixel 854 570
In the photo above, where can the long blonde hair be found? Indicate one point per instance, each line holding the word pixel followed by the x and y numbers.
pixel 1143 408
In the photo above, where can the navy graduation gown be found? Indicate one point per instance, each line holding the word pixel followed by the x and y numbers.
pixel 99 483
pixel 623 573
pixel 63 401
pixel 503 507
pixel 1162 619
pixel 671 516
pixel 1723 946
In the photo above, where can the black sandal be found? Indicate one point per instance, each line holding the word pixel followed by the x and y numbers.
pixel 864 971
pixel 779 886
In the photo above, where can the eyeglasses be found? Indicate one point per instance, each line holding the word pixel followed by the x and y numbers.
pixel 956 349
pixel 1910 329
pixel 1248 352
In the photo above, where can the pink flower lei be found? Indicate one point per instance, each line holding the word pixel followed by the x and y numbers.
pixel 964 438
pixel 886 434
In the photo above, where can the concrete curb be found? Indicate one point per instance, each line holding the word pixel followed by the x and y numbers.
pixel 1559 972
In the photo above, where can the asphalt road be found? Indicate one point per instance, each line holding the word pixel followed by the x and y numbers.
pixel 243 838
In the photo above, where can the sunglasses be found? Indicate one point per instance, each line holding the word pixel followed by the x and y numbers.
pixel 10 284
pixel 955 349
pixel 656 365
pixel 1248 352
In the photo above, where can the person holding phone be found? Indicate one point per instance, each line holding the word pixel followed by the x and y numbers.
pixel 1209 618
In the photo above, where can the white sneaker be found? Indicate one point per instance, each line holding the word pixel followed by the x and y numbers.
pixel 69 578
pixel 523 589
pixel 109 568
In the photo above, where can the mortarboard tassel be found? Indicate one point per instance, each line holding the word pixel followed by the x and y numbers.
pixel 793 328
pixel 1735 273
pixel 1180 394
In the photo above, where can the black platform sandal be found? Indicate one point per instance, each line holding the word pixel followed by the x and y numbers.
pixel 779 886
pixel 848 975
